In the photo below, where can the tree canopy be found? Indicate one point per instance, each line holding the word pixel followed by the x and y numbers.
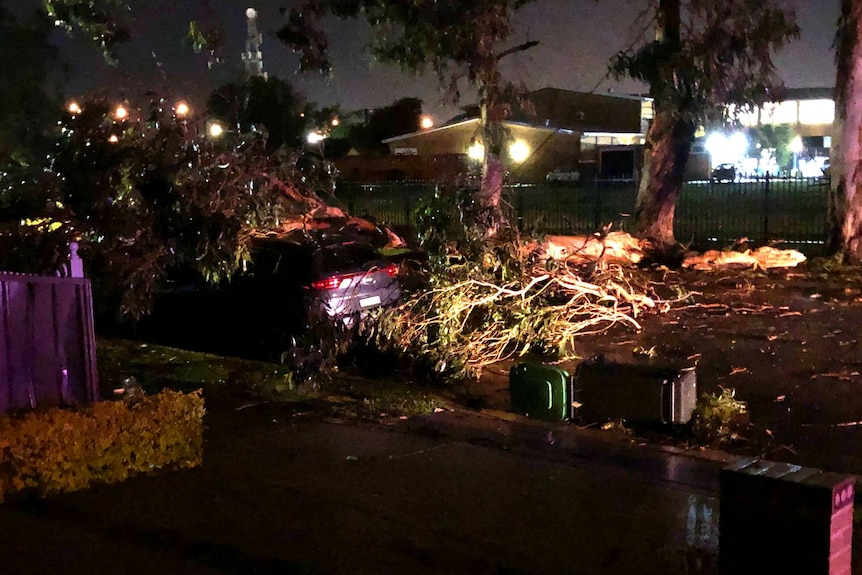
pixel 259 103
pixel 146 193
pixel 459 41
pixel 28 103
pixel 706 62
pixel 400 117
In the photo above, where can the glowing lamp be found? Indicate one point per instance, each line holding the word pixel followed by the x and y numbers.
pixel 426 123
pixel 215 130
pixel 182 108
pixel 796 145
pixel 476 151
pixel 519 151
pixel 121 113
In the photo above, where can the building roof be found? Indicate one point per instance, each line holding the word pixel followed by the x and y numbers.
pixel 821 93
pixel 555 109
pixel 465 123
pixel 584 111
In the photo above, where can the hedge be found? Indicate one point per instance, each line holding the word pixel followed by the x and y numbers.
pixel 64 450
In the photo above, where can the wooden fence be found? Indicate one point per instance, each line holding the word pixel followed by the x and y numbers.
pixel 47 342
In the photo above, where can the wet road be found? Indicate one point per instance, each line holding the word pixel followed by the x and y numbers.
pixel 451 493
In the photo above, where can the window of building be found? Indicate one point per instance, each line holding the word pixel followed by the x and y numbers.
pixel 816 112
pixel 780 113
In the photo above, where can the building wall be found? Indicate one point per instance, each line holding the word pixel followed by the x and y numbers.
pixel 586 112
pixel 549 148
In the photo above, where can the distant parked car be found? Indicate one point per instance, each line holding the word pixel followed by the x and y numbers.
pixel 563 174
pixel 724 173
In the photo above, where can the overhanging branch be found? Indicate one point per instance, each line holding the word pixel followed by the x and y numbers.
pixel 519 48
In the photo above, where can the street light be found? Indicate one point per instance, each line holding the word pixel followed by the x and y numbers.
pixel 315 137
pixel 182 109
pixel 120 112
pixel 519 151
pixel 426 122
pixel 73 107
pixel 476 151
pixel 215 129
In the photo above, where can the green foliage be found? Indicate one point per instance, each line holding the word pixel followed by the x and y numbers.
pixel 485 300
pixel 206 37
pixel 451 230
pixel 395 402
pixel 148 194
pixel 100 20
pixel 258 104
pixel 775 137
pixel 719 418
pixel 27 104
pixel 400 117
pixel 63 450
pixel 719 63
pixel 459 41
pixel 158 367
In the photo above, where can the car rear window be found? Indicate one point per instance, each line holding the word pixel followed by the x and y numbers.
pixel 344 258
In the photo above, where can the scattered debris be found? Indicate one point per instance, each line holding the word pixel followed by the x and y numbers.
pixel 765 257
pixel 613 248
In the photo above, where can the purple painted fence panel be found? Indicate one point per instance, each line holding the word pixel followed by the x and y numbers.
pixel 47 343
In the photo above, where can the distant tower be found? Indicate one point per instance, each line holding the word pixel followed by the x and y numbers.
pixel 252 57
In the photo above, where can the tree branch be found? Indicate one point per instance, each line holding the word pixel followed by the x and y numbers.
pixel 519 48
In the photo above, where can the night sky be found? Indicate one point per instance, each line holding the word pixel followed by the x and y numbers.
pixel 576 39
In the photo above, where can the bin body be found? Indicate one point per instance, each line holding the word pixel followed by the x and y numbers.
pixel 540 391
pixel 634 393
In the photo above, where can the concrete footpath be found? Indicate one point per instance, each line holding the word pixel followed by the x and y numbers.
pixel 456 492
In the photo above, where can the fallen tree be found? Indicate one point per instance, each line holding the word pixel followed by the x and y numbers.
pixel 458 327
pixel 765 257
pixel 621 248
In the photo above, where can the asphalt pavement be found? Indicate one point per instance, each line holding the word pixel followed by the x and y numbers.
pixel 455 492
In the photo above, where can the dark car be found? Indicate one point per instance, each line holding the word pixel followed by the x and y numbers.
pixel 288 286
pixel 724 173
pixel 342 281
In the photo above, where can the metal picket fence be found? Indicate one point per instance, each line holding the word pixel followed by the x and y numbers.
pixel 790 212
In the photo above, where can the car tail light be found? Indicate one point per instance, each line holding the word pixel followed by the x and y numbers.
pixel 329 283
pixel 343 281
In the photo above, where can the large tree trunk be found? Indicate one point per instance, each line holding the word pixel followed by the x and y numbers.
pixel 666 153
pixel 668 145
pixel 493 114
pixel 847 173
